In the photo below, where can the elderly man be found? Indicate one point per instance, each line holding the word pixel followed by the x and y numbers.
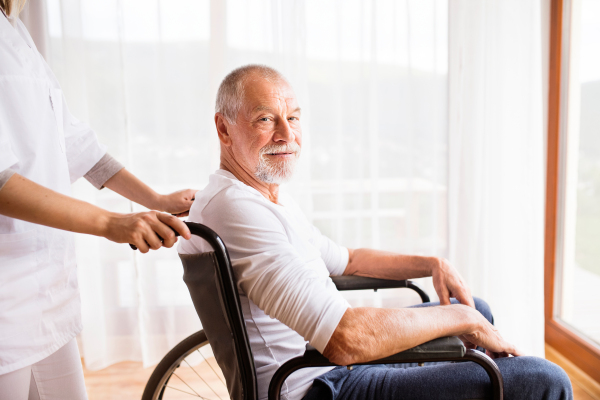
pixel 282 266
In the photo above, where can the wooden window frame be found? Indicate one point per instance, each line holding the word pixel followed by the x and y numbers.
pixel 581 352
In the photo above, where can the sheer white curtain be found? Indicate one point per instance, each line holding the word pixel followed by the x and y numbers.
pixel 391 160
pixel 496 161
pixel 371 77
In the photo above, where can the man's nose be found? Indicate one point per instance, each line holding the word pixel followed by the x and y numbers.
pixel 284 132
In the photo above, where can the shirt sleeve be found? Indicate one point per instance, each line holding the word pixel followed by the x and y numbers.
pixel 336 257
pixel 5 176
pixel 8 129
pixel 82 146
pixel 104 169
pixel 7 156
pixel 271 272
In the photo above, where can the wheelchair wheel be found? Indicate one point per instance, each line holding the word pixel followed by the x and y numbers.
pixel 189 370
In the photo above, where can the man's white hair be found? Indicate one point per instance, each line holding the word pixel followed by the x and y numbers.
pixel 231 90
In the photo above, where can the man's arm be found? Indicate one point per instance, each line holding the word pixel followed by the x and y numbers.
pixel 386 265
pixel 366 334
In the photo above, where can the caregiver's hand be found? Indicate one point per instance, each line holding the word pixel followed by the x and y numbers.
pixel 129 186
pixel 24 199
pixel 145 229
pixel 177 203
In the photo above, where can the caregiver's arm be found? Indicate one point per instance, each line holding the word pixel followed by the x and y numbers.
pixel 108 172
pixel 24 199
pixel 129 186
pixel 386 265
pixel 366 334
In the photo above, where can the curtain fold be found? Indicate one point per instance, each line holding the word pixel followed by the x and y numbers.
pixel 496 161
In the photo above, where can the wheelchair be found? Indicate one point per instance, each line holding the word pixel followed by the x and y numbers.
pixel 217 362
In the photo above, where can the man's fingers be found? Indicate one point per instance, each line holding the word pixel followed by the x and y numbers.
pixel 494 355
pixel 176 224
pixel 465 298
pixel 467 343
pixel 444 295
pixel 517 353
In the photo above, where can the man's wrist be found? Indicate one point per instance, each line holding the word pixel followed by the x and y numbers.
pixel 468 318
pixel 435 264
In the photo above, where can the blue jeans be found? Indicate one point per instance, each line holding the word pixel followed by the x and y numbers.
pixel 526 378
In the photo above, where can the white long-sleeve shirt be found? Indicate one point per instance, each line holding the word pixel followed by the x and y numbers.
pixel 282 265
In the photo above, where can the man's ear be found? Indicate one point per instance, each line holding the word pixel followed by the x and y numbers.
pixel 222 129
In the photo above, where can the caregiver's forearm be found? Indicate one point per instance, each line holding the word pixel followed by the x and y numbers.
pixel 24 199
pixel 130 187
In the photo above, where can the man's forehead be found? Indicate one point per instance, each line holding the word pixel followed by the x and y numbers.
pixel 263 94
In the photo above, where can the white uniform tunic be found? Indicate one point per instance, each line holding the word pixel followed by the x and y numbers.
pixel 282 265
pixel 41 140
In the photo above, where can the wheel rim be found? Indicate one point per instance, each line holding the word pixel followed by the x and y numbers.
pixel 195 374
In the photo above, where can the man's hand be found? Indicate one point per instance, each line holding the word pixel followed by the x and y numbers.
pixel 143 229
pixel 487 336
pixel 448 283
pixel 177 203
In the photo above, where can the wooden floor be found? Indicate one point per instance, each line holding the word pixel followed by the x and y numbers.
pixel 127 380
pixel 124 380
pixel 584 387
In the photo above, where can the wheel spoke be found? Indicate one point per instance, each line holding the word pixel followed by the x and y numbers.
pixel 206 383
pixel 183 391
pixel 162 385
pixel 213 370
pixel 192 389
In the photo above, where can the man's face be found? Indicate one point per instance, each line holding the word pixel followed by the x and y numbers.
pixel 267 138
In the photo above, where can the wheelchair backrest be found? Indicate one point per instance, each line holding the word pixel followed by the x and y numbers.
pixel 209 279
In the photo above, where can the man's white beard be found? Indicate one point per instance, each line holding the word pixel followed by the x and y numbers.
pixel 276 172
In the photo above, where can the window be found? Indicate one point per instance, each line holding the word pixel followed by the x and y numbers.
pixel 573 186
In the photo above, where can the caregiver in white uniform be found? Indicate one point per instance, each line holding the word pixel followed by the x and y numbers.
pixel 43 149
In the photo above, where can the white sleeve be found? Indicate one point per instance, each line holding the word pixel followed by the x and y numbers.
pixel 336 257
pixel 7 157
pixel 81 143
pixel 9 128
pixel 269 270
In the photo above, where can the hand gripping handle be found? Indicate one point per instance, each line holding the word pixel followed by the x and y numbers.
pixel 134 247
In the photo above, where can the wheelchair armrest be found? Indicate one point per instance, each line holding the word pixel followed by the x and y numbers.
pixel 440 349
pixel 349 282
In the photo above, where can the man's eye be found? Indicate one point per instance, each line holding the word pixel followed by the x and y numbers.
pixel 293 118
pixel 265 119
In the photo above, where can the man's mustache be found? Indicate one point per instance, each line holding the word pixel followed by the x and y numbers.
pixel 284 148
